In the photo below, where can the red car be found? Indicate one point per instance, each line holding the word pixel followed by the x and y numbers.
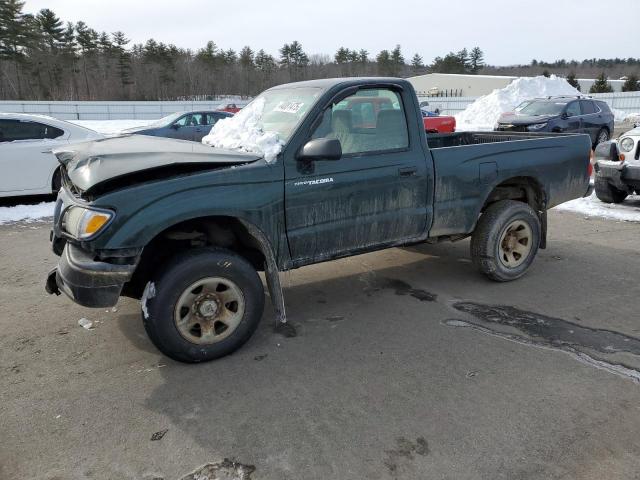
pixel 439 124
pixel 230 108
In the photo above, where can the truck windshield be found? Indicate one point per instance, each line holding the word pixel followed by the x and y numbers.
pixel 266 124
pixel 543 108
pixel 282 109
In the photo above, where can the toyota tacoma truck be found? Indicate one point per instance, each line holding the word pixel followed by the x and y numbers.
pixel 295 178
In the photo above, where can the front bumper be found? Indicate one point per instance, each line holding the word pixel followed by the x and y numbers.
pixel 620 175
pixel 88 282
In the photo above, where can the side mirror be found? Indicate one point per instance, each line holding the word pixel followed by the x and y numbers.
pixel 175 126
pixel 321 149
pixel 565 115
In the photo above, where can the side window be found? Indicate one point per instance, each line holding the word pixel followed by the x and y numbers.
pixel 12 130
pixel 573 109
pixel 184 120
pixel 196 119
pixel 368 131
pixel 587 107
pixel 212 118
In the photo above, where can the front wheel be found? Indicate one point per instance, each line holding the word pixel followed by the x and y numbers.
pixel 603 136
pixel 505 240
pixel 205 304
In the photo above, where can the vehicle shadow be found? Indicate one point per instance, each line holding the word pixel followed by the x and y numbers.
pixel 25 200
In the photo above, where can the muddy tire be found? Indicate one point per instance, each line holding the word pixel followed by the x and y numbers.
pixel 603 136
pixel 607 192
pixel 203 305
pixel 505 240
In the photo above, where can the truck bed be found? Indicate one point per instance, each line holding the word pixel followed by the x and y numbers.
pixel 469 165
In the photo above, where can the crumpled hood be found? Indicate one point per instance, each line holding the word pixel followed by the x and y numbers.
pixel 90 163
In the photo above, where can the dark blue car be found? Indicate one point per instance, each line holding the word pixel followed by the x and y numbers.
pixel 562 114
pixel 182 125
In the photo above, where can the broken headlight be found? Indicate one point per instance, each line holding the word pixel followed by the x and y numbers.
pixel 84 223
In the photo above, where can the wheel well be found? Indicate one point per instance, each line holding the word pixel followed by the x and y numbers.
pixel 225 232
pixel 57 175
pixel 523 189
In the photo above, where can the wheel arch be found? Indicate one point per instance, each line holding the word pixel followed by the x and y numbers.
pixel 228 232
pixel 526 189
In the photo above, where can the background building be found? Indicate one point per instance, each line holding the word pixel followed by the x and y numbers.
pixel 455 85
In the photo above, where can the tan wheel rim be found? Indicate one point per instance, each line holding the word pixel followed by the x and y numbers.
pixel 209 310
pixel 515 244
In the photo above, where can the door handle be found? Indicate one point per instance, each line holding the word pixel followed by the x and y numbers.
pixel 407 171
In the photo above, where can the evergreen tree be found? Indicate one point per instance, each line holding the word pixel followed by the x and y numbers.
pixel 416 64
pixel 123 61
pixel 51 29
pixel 463 55
pixel 397 61
pixel 631 84
pixel 546 73
pixel 383 59
pixel 601 85
pixel 571 79
pixel 476 60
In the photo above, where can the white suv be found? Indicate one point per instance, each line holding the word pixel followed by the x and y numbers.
pixel 618 167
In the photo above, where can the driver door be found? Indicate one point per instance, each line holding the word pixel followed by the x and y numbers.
pixel 375 194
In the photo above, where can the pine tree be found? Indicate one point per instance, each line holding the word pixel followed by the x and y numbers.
pixel 397 61
pixel 463 55
pixel 601 85
pixel 571 79
pixel 631 84
pixel 476 60
pixel 383 60
pixel 416 64
pixel 546 73
pixel 123 61
pixel 51 29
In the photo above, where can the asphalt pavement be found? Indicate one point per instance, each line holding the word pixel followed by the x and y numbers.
pixel 404 363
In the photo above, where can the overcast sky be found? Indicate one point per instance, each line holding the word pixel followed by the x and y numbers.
pixel 508 31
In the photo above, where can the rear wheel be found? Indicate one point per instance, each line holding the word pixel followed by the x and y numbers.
pixel 607 192
pixel 205 304
pixel 505 240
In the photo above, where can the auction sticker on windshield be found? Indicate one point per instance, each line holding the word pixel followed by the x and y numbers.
pixel 288 107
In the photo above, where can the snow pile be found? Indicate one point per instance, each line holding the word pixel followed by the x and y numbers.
pixel 622 116
pixel 628 211
pixel 485 111
pixel 28 213
pixel 243 132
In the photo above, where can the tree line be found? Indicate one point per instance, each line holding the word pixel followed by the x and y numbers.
pixel 43 58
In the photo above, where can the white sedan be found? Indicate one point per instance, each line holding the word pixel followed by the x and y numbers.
pixel 27 166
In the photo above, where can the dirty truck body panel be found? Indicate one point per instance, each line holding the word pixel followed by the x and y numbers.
pixel 309 211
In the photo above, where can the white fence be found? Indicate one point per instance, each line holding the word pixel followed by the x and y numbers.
pixel 626 101
pixel 110 110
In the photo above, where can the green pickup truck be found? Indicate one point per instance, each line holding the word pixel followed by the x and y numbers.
pixel 306 175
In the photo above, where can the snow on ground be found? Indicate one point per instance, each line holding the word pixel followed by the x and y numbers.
pixel 112 127
pixel 628 211
pixel 26 213
pixel 485 111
